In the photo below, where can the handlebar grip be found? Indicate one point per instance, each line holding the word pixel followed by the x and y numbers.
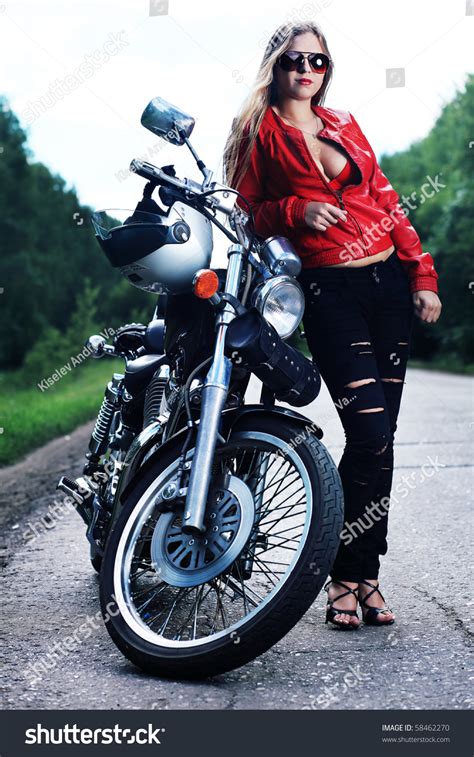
pixel 137 167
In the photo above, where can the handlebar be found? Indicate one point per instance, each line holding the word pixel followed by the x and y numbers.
pixel 223 199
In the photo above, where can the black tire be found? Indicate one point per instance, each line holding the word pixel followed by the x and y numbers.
pixel 282 612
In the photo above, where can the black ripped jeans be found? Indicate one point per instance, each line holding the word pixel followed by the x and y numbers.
pixel 358 324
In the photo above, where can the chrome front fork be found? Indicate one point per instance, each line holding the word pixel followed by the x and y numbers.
pixel 213 397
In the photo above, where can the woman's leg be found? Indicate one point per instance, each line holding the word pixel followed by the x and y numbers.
pixel 339 309
pixel 374 306
pixel 391 334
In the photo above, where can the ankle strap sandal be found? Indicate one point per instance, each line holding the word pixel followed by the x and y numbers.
pixel 370 614
pixel 332 611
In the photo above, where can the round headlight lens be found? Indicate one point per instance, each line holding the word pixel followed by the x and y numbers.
pixel 281 302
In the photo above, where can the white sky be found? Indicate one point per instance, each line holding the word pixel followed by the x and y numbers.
pixel 203 57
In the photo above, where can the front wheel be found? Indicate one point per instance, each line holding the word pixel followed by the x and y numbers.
pixel 185 606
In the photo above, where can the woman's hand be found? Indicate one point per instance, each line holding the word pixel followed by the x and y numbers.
pixel 427 305
pixel 321 215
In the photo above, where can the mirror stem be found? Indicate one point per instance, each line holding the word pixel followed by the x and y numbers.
pixel 206 172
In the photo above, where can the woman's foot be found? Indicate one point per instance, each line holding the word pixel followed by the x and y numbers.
pixel 341 608
pixel 374 610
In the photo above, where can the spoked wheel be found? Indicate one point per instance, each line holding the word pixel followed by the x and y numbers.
pixel 186 605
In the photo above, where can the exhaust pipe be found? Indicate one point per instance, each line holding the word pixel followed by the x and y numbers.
pixel 82 495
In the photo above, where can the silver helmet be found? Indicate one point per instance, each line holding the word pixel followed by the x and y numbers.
pixel 157 252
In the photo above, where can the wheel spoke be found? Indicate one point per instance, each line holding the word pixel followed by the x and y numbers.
pixel 219 606
pixel 242 584
pixel 181 593
pixel 288 540
pixel 271 482
pixel 194 609
pixel 147 589
pixel 195 613
pixel 267 572
pixel 287 514
pixel 278 533
pixel 134 576
pixel 277 546
pixel 243 593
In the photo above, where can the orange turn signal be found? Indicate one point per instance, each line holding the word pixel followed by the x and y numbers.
pixel 205 283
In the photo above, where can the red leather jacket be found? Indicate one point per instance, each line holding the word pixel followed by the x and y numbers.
pixel 282 178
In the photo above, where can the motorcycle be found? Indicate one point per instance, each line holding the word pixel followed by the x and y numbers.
pixel 212 521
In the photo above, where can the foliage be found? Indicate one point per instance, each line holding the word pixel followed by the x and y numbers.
pixel 444 222
pixel 48 252
pixel 58 286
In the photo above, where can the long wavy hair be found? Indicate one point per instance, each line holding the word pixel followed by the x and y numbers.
pixel 246 124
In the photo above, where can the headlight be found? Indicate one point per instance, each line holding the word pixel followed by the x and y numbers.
pixel 281 302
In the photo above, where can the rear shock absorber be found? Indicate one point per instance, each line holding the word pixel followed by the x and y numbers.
pixel 99 440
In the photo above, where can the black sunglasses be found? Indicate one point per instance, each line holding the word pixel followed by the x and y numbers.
pixel 292 60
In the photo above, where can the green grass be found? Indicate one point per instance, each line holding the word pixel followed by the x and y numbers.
pixel 30 418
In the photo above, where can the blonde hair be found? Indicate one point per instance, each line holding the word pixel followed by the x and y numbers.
pixel 247 123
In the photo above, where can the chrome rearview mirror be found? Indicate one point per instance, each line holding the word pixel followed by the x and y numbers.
pixel 167 121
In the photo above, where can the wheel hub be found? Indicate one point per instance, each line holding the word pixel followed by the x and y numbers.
pixel 186 560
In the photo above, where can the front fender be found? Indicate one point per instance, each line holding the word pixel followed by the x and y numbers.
pixel 149 437
pixel 275 411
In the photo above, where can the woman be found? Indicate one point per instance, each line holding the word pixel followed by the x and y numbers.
pixel 310 174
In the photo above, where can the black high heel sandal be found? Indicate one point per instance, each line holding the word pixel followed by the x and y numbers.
pixel 370 614
pixel 332 611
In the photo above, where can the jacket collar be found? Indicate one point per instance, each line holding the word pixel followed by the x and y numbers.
pixel 332 120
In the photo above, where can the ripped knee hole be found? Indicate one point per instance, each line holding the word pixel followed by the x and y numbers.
pixel 360 382
pixel 371 410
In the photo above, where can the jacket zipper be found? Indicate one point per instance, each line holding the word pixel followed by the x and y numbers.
pixel 336 192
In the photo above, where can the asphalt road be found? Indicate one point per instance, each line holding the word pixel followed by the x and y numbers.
pixel 49 589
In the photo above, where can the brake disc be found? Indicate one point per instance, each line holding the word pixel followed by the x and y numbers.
pixel 186 560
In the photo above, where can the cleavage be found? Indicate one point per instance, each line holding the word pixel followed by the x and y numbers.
pixel 331 159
